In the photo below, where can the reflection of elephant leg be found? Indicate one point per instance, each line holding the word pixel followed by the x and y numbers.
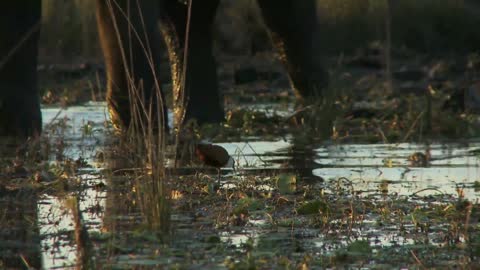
pixel 20 115
pixel 292 24
pixel 203 99
pixel 129 37
pixel 303 161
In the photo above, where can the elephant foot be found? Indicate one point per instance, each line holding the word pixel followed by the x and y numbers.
pixel 311 87
pixel 205 114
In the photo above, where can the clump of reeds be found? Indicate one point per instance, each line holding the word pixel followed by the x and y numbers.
pixel 145 139
pixel 146 136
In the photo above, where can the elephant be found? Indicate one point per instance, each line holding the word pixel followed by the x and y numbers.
pixel 129 33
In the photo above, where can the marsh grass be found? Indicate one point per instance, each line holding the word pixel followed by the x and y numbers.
pixel 145 138
pixel 338 224
pixel 335 208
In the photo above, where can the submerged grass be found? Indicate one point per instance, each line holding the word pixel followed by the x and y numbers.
pixel 329 224
pixel 146 138
pixel 311 225
pixel 146 147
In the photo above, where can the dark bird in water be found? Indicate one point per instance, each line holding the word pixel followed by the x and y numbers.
pixel 214 156
pixel 419 159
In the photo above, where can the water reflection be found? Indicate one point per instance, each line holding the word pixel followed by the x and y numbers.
pixel 19 233
pixel 57 224
pixel 452 167
pixel 375 172
pixel 256 154
pixel 82 129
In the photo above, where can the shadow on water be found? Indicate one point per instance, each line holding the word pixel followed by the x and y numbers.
pixel 349 202
pixel 19 232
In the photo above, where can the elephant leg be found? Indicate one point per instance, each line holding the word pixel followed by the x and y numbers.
pixel 20 115
pixel 129 37
pixel 292 24
pixel 201 99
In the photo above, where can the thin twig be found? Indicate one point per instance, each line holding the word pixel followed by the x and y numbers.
pixel 467 220
pixel 382 134
pixel 185 61
pixel 417 259
pixel 25 262
pixel 54 118
pixel 184 101
pixel 428 189
pixel 25 37
pixel 410 130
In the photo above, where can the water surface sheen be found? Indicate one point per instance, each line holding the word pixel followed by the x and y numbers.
pixel 367 170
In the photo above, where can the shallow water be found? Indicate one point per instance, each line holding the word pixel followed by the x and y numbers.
pixel 452 165
pixel 366 167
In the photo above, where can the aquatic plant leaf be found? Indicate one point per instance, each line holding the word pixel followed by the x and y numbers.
pixel 313 207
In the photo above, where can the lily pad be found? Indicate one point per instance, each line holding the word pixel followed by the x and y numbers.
pixel 311 208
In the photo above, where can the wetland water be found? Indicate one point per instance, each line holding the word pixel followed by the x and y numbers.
pixel 377 182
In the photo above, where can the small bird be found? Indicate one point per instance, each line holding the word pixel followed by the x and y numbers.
pixel 419 159
pixel 215 156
